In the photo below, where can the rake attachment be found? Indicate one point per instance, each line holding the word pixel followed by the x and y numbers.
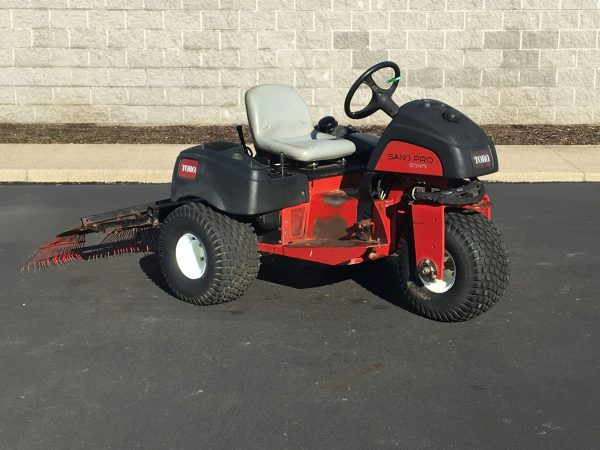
pixel 60 250
pixel 130 230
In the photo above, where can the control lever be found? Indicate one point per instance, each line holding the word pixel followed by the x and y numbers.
pixel 243 141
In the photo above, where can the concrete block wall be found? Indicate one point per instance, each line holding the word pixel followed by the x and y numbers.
pixel 190 61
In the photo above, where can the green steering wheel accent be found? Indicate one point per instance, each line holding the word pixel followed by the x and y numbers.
pixel 392 80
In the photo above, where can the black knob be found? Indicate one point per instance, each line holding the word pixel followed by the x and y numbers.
pixel 450 116
pixel 327 124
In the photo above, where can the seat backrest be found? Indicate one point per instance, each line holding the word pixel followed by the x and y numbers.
pixel 276 111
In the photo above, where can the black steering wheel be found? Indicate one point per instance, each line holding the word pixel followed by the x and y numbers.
pixel 381 98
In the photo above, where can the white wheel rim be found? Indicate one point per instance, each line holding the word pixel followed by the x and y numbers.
pixel 191 256
pixel 440 286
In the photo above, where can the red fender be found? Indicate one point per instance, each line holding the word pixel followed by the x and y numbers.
pixel 429 234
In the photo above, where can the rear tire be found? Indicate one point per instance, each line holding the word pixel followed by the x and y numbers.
pixel 207 257
pixel 480 267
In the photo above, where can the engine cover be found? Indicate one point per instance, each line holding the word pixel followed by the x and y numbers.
pixel 221 174
pixel 429 137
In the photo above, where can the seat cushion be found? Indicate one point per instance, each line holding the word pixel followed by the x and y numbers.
pixel 310 147
pixel 280 123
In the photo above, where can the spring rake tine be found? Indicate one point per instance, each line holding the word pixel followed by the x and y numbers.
pixel 66 249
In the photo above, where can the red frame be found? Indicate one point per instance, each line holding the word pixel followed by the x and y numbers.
pixel 321 230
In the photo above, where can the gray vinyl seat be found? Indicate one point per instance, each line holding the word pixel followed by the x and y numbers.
pixel 280 123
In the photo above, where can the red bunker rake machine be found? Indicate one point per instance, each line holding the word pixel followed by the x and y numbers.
pixel 328 194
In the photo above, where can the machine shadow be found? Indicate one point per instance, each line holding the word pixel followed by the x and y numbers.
pixel 380 277
pixel 299 274
pixel 151 268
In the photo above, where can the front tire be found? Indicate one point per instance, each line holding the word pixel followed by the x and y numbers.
pixel 475 272
pixel 207 257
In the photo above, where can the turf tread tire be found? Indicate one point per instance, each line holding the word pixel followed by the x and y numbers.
pixel 232 245
pixel 483 282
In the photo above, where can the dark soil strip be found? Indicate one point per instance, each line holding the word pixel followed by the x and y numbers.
pixel 97 134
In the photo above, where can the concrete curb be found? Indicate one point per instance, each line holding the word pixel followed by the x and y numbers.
pixel 107 163
pixel 87 163
pixel 547 163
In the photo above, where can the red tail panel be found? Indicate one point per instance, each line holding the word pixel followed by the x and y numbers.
pixel 409 158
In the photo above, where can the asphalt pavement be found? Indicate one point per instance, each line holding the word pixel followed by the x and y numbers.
pixel 99 355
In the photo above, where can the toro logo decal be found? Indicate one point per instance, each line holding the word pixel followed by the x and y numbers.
pixel 482 159
pixel 409 158
pixel 188 168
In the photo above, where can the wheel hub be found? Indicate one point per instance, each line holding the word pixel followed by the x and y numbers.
pixel 190 255
pixel 427 270
pixel 427 273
